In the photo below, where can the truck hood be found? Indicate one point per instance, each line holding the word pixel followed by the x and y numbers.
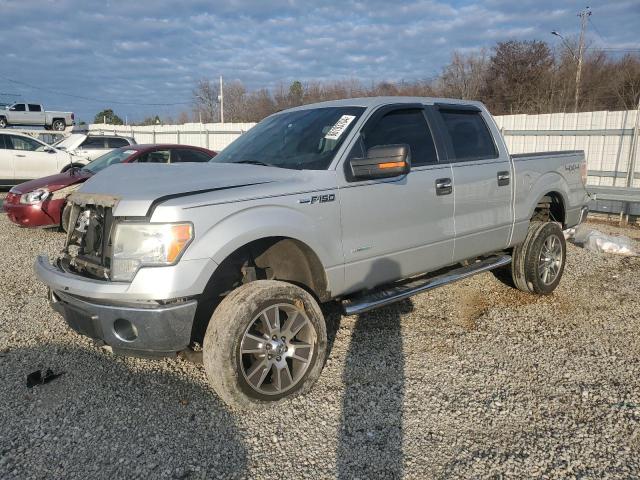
pixel 136 188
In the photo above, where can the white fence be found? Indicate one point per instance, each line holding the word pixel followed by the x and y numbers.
pixel 609 140
pixel 214 136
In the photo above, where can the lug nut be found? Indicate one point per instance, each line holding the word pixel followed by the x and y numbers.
pixel 283 339
pixel 268 346
pixel 269 356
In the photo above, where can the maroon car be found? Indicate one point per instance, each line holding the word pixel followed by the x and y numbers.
pixel 41 202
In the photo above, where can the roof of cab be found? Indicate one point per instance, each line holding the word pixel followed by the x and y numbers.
pixel 380 101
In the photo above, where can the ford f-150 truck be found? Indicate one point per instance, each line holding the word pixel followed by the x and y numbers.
pixel 362 201
pixel 34 114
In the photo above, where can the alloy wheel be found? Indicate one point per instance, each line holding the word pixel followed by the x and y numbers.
pixel 277 349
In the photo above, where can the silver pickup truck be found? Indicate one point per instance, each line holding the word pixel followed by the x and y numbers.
pixel 34 114
pixel 362 201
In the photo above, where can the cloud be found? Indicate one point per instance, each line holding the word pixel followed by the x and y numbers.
pixel 152 51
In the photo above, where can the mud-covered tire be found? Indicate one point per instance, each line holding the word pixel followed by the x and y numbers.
pixel 529 260
pixel 226 366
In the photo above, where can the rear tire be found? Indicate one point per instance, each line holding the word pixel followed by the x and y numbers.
pixel 538 263
pixel 3 122
pixel 59 125
pixel 266 342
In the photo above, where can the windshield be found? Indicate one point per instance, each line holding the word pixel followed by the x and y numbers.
pixel 69 141
pixel 111 158
pixel 303 139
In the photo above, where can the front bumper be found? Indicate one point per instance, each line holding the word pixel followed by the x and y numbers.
pixel 42 214
pixel 129 330
pixel 134 319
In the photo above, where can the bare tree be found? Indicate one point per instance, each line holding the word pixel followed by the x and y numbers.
pixel 205 101
pixel 465 76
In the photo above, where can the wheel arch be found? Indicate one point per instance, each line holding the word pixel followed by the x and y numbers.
pixel 281 258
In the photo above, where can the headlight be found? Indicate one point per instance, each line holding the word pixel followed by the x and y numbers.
pixel 147 244
pixel 36 196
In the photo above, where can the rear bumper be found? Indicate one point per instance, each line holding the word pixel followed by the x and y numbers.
pixel 129 330
pixel 43 214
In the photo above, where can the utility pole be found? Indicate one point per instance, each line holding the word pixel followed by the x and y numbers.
pixel 584 16
pixel 221 98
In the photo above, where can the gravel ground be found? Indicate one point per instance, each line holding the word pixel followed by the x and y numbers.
pixel 471 380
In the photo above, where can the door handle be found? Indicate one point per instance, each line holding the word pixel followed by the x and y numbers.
pixel 444 186
pixel 18 155
pixel 503 178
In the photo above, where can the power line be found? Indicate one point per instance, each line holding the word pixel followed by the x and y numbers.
pixel 91 99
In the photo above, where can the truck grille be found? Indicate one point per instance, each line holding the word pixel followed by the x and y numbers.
pixel 88 247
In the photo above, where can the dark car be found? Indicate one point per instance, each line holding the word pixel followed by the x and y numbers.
pixel 41 202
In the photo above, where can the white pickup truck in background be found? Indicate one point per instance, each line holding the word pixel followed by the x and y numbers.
pixel 34 114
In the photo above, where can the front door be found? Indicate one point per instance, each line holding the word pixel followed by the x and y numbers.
pixel 6 161
pixel 31 158
pixel 482 184
pixel 396 227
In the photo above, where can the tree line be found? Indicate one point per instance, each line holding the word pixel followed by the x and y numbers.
pixel 512 77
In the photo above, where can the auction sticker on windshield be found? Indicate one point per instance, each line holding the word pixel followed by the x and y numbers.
pixel 340 126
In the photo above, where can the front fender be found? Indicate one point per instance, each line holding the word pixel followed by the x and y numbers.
pixel 256 222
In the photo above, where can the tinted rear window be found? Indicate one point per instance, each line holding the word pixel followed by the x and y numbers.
pixel 34 108
pixel 116 142
pixel 185 155
pixel 469 134
pixel 93 143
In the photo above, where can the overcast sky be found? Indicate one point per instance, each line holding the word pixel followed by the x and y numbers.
pixel 153 51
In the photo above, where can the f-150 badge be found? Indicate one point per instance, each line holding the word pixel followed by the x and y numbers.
pixel 329 197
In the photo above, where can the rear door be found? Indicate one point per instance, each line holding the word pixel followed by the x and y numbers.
pixel 35 115
pixel 396 227
pixel 31 159
pixel 6 161
pixel 481 180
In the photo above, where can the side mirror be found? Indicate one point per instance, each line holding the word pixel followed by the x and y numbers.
pixel 49 150
pixel 382 161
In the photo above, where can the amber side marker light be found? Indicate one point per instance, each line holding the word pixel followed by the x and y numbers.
pixel 391 165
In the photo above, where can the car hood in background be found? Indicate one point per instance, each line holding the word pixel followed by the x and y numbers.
pixel 53 182
pixel 138 187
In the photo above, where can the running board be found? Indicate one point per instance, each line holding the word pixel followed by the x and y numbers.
pixel 380 298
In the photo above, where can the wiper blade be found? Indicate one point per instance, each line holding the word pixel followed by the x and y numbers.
pixel 256 162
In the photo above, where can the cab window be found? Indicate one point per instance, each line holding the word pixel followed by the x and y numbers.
pixel 407 126
pixel 35 108
pixel 469 135
pixel 18 107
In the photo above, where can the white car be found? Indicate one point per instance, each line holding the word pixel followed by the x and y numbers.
pixel 24 158
pixel 91 146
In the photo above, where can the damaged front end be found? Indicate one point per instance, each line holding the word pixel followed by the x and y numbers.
pixel 88 247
